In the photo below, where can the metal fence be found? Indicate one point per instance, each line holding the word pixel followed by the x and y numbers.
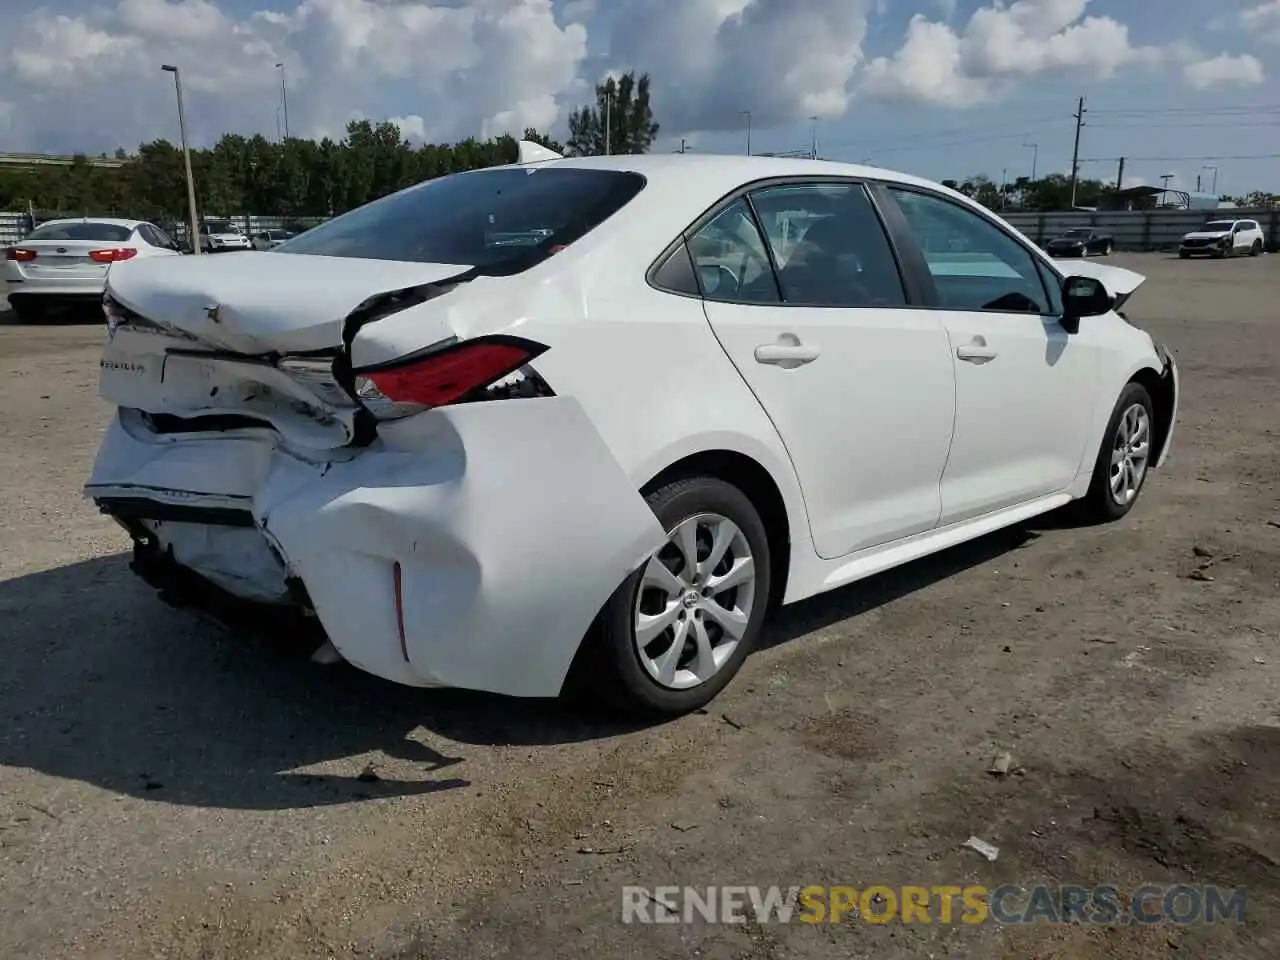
pixel 1141 229
pixel 1132 229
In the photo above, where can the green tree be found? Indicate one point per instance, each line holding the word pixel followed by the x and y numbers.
pixel 620 122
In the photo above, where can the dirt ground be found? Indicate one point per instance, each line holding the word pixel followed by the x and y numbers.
pixel 168 790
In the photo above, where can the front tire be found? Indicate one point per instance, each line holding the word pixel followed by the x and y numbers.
pixel 1124 459
pixel 677 630
pixel 1256 249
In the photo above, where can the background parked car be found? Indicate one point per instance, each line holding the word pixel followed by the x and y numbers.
pixel 1081 242
pixel 1223 238
pixel 65 262
pixel 217 236
pixel 270 239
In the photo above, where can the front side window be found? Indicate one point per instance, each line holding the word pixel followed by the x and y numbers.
pixel 504 219
pixel 974 264
pixel 730 259
pixel 829 245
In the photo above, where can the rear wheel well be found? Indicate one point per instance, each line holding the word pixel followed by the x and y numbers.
pixel 1160 389
pixel 754 481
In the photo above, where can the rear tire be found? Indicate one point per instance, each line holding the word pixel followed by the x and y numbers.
pixel 617 672
pixel 1106 251
pixel 1256 249
pixel 1127 444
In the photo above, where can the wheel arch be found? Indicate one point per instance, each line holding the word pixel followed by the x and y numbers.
pixel 760 487
pixel 1160 389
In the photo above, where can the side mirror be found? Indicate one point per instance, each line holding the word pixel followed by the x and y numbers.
pixel 1083 297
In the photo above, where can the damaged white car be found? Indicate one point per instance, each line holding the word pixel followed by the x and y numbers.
pixel 588 419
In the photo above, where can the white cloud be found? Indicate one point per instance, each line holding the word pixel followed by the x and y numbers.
pixel 944 65
pixel 1263 19
pixel 780 59
pixel 1244 70
pixel 475 66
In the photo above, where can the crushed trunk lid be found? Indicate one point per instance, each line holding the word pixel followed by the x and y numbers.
pixel 264 302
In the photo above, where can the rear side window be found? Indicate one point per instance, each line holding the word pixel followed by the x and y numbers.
pixel 504 219
pixel 730 258
pixel 97 232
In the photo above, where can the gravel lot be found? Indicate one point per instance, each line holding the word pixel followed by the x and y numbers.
pixel 169 790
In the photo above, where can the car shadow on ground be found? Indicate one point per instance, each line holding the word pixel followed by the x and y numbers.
pixel 102 683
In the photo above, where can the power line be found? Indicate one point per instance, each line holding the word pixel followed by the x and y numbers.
pixel 1254 156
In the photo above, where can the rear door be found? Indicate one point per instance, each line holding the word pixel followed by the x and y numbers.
pixel 803 290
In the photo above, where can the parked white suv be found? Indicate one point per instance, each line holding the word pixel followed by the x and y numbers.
pixel 219 235
pixel 1224 238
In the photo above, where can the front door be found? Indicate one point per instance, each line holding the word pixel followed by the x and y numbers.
pixel 860 389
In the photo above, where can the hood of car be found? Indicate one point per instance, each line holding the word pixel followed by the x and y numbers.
pixel 1207 235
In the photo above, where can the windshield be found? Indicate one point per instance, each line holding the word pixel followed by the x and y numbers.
pixel 1219 226
pixel 219 226
pixel 505 216
pixel 1077 234
pixel 99 232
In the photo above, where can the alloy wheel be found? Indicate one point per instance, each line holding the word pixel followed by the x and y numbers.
pixel 1130 453
pixel 694 601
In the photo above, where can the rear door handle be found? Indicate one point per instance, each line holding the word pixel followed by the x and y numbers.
pixel 787 352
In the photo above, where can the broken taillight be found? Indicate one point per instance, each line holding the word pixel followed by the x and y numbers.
pixel 442 376
pixel 112 256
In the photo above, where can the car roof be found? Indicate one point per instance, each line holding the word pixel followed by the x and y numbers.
pixel 109 221
pixel 709 173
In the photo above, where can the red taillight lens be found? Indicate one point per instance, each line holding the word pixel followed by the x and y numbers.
pixel 441 377
pixel 19 254
pixel 112 256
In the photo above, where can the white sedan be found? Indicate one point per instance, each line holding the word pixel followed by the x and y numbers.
pixel 64 262
pixel 704 386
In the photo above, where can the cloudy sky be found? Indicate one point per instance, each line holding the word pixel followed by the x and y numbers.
pixel 944 88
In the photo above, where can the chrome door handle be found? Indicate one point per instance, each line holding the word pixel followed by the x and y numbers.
pixel 788 352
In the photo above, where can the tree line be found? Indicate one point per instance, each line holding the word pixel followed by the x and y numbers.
pixel 299 178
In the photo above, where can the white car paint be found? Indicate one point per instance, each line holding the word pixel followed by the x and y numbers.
pixel 48 266
pixel 1233 236
pixel 499 529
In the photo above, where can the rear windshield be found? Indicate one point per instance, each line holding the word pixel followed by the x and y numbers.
pixel 506 218
pixel 98 232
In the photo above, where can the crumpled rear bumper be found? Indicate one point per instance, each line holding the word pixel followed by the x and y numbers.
pixel 468 547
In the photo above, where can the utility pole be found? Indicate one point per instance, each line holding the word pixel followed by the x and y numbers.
pixel 284 98
pixel 1075 154
pixel 747 114
pixel 1035 157
pixel 608 116
pixel 193 219
pixel 1120 176
pixel 813 138
pixel 684 146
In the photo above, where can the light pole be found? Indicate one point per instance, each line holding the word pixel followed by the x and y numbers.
pixel 186 159
pixel 608 117
pixel 1214 188
pixel 747 114
pixel 813 137
pixel 284 98
pixel 1035 156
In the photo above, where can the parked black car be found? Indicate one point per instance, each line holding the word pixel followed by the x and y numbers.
pixel 1081 242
